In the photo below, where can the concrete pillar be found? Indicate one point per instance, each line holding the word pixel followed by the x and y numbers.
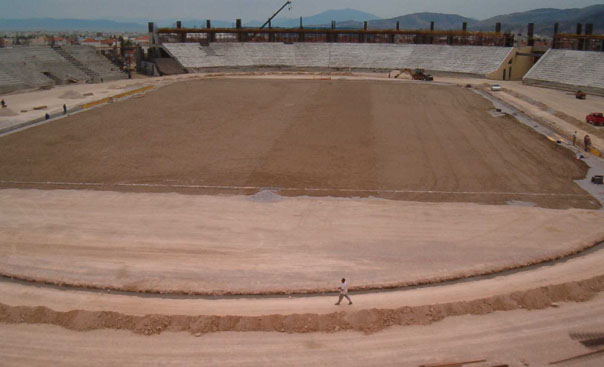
pixel 271 36
pixel 334 36
pixel 531 34
pixel 580 42
pixel 363 36
pixel 181 36
pixel 301 35
pixel 211 35
pixel 464 28
pixel 240 35
pixel 589 30
pixel 555 41
pixel 509 39
pixel 151 26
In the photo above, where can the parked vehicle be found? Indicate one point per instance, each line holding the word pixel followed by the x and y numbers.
pixel 496 87
pixel 595 118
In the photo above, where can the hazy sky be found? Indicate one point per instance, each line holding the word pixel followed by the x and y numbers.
pixel 261 9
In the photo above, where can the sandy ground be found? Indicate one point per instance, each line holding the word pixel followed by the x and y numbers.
pixel 267 243
pixel 22 104
pixel 338 138
pixel 557 109
pixel 516 338
pixel 559 100
pixel 125 239
pixel 576 278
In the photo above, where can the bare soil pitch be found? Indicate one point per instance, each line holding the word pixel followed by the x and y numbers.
pixel 344 138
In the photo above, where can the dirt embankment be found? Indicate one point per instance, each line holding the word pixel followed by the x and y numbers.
pixel 368 320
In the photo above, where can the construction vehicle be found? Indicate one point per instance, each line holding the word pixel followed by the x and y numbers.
pixel 580 94
pixel 416 74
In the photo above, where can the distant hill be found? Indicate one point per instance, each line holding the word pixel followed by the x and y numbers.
pixel 414 21
pixel 339 15
pixel 58 25
pixel 544 20
pixel 280 21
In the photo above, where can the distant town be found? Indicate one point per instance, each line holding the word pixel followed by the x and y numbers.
pixel 120 48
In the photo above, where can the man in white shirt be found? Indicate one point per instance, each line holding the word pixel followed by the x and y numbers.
pixel 344 292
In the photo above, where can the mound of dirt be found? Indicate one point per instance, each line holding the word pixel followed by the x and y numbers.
pixel 71 94
pixel 367 320
pixel 265 196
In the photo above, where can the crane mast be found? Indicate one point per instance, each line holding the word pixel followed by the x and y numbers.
pixel 276 13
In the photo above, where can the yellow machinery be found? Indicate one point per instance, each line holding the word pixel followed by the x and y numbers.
pixel 416 74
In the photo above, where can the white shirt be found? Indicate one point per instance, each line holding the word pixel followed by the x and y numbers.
pixel 344 288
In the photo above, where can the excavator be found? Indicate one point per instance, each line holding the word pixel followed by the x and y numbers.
pixel 416 74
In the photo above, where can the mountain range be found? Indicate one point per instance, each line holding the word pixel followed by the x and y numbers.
pixel 544 20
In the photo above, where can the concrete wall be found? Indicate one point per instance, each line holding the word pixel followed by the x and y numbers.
pixel 514 66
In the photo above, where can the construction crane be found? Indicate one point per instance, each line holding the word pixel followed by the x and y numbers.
pixel 276 13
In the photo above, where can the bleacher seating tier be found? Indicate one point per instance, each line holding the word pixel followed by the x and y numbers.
pixel 473 60
pixel 568 69
pixel 41 66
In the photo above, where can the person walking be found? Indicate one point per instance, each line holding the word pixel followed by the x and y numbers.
pixel 3 103
pixel 64 109
pixel 46 116
pixel 344 292
pixel 587 142
pixel 574 138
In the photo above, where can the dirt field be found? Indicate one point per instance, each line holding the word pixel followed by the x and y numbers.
pixel 338 138
pixel 271 244
pixel 395 140
pixel 428 328
pixel 516 338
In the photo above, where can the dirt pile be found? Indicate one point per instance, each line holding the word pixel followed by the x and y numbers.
pixel 265 196
pixel 367 321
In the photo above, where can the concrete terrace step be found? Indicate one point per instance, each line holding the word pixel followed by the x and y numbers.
pixel 475 60
pixel 569 69
pixel 91 74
